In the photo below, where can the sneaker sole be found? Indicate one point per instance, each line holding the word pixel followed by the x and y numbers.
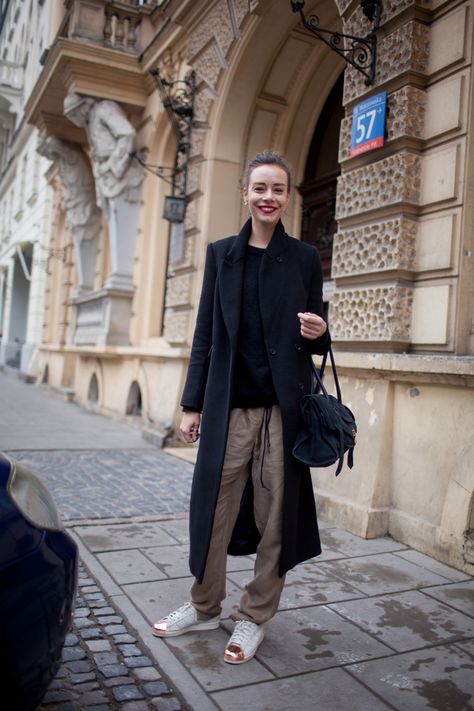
pixel 201 627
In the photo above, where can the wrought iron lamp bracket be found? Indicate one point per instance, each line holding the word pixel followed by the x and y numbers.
pixel 177 98
pixel 359 52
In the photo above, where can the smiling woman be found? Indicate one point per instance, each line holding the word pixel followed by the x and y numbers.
pixel 259 320
pixel 267 195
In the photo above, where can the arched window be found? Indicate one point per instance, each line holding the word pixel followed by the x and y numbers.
pixel 93 392
pixel 134 400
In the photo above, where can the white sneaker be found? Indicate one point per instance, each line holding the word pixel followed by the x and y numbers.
pixel 243 644
pixel 184 619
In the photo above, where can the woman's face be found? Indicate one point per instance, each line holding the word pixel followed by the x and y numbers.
pixel 267 194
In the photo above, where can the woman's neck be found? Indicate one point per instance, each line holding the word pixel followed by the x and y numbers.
pixel 261 235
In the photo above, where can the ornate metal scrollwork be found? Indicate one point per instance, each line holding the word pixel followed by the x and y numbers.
pixel 359 52
pixel 178 101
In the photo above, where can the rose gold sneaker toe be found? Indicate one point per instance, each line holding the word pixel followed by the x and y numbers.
pixel 159 628
pixel 244 642
pixel 233 654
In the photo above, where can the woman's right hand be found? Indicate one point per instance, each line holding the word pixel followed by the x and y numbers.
pixel 189 427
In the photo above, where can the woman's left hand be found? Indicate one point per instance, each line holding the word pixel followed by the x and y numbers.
pixel 312 325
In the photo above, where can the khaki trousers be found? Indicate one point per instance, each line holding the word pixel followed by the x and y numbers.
pixel 254 447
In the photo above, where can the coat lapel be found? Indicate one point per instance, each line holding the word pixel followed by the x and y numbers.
pixel 230 281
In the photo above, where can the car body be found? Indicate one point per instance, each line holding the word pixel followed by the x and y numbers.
pixel 38 580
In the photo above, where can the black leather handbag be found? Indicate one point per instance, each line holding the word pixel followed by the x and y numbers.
pixel 329 429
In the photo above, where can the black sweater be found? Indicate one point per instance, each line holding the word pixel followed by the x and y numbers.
pixel 253 385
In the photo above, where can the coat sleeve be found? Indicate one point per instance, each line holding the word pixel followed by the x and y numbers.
pixel 195 386
pixel 321 345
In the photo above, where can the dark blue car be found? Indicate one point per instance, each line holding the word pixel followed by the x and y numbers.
pixel 38 574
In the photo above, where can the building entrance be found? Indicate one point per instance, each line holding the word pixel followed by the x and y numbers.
pixel 318 189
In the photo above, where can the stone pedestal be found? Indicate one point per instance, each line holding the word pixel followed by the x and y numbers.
pixel 122 220
pixel 102 318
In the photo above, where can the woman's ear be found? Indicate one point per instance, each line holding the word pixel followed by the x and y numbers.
pixel 245 196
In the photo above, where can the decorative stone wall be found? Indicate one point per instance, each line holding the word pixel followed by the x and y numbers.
pixel 390 181
pixel 176 325
pixel 357 24
pixel 179 290
pixel 190 221
pixel 405 49
pixel 342 5
pixel 379 247
pixel 202 105
pixel 405 119
pixel 372 314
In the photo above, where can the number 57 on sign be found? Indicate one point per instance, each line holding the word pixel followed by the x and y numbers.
pixel 368 124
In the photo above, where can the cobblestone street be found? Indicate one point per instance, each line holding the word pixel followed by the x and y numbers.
pixel 104 666
pixel 112 483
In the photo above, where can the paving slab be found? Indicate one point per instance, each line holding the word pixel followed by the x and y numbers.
pixel 177 528
pixel 130 566
pixel 122 536
pixel 154 600
pixel 306 585
pixel 467 646
pixel 406 621
pixel 351 546
pixel 312 638
pixel 202 653
pixel 382 573
pixel 329 690
pixel 457 595
pixel 424 561
pixel 37 419
pixel 173 561
pixel 440 678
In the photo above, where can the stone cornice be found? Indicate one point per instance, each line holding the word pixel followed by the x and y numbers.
pixel 73 65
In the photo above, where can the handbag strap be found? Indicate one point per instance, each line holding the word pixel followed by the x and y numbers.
pixel 318 376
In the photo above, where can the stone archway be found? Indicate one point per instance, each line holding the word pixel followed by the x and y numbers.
pixel 262 82
pixel 272 95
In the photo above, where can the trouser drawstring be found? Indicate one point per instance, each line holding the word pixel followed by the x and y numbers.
pixel 265 440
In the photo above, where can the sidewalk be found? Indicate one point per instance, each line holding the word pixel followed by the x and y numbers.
pixel 369 624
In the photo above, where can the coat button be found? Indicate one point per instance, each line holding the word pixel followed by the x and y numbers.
pixel 279 260
pixel 273 351
pixel 297 347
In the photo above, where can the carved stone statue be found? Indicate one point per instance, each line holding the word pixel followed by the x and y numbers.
pixel 82 213
pixel 118 177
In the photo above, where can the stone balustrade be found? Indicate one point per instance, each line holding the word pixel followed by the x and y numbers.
pixel 113 23
pixel 11 75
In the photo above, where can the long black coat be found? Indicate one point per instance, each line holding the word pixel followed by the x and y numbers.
pixel 290 281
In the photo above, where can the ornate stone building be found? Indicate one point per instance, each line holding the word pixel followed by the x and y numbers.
pixel 25 198
pixel 395 226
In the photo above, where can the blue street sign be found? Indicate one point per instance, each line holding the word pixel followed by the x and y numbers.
pixel 368 124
